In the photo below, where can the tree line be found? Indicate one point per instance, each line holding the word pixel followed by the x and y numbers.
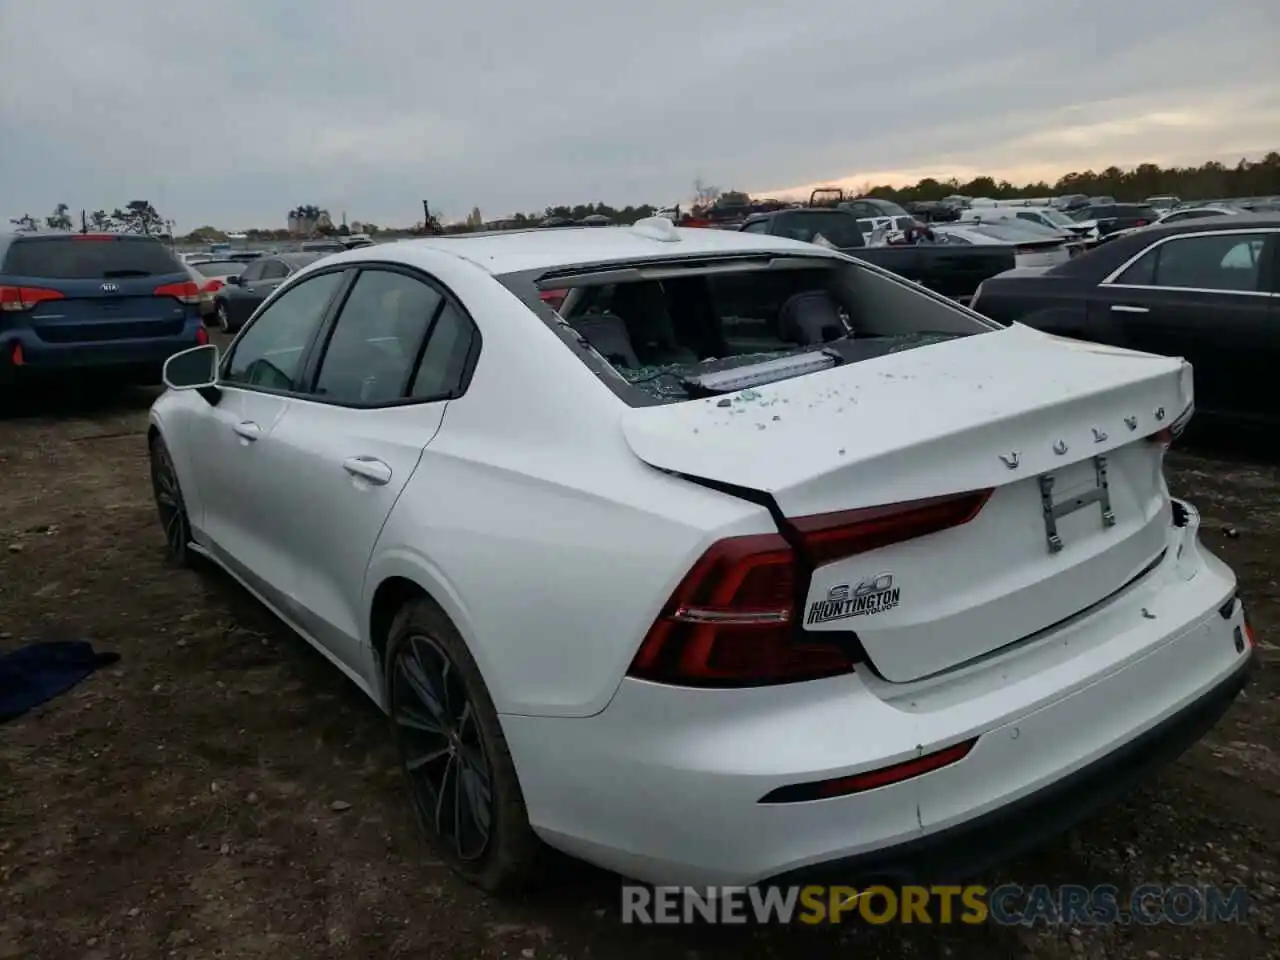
pixel 1209 181
pixel 138 216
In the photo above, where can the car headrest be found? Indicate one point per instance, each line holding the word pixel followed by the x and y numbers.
pixel 811 317
pixel 608 335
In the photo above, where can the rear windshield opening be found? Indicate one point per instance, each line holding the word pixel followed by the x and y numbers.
pixel 91 258
pixel 677 338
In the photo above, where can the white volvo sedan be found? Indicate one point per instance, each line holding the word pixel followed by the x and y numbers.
pixel 709 557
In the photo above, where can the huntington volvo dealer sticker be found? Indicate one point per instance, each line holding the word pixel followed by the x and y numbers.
pixel 866 599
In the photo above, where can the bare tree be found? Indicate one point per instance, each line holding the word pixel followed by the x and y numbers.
pixel 704 194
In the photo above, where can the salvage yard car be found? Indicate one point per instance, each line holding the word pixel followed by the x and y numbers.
pixel 952 270
pixel 1204 289
pixel 105 305
pixel 749 560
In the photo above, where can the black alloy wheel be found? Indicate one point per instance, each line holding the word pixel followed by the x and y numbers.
pixel 169 503
pixel 459 769
pixel 450 777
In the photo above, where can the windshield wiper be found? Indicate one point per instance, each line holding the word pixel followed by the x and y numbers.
pixel 758 374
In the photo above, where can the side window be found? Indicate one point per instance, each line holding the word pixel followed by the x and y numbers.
pixel 760 226
pixel 274 270
pixel 1228 262
pixel 371 351
pixel 1142 272
pixel 251 272
pixel 445 359
pixel 1028 215
pixel 269 352
pixel 839 229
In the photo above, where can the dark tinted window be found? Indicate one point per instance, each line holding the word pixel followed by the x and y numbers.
pixel 373 346
pixel 219 268
pixel 1214 262
pixel 252 271
pixel 73 258
pixel 445 360
pixel 269 352
pixel 274 270
pixel 839 229
pixel 1228 262
pixel 760 226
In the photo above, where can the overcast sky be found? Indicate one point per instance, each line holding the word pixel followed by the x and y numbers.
pixel 230 112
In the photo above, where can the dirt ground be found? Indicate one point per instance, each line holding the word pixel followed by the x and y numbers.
pixel 223 792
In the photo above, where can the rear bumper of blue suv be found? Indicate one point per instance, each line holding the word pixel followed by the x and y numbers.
pixel 26 357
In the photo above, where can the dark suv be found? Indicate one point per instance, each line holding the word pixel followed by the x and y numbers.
pixel 112 304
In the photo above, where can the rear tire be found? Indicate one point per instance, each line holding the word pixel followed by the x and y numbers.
pixel 461 777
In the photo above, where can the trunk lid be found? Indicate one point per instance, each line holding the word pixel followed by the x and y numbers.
pixel 994 411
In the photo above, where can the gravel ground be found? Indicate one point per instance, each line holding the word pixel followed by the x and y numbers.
pixel 223 792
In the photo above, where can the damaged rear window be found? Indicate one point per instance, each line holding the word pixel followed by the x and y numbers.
pixel 684 337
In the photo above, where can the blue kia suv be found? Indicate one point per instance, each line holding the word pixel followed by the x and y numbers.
pixel 108 305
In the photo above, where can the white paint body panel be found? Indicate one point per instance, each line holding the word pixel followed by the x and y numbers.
pixel 530 509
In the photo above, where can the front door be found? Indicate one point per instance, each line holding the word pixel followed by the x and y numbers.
pixel 241 524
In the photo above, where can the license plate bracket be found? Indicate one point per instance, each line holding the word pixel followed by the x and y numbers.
pixel 1053 510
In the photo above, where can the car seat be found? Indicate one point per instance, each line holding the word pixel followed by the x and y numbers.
pixel 811 317
pixel 643 307
pixel 607 333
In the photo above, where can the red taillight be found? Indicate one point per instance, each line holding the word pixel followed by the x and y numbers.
pixel 1249 637
pixel 202 335
pixel 553 298
pixel 24 298
pixel 213 286
pixel 730 622
pixel 188 291
pixel 1140 223
pixel 843 786
pixel 827 537
pixel 16 356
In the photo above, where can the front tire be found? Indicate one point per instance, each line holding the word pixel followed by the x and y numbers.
pixel 169 504
pixel 454 756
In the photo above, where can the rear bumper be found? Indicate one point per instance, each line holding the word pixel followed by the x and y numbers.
pixel 44 360
pixel 963 851
pixel 665 784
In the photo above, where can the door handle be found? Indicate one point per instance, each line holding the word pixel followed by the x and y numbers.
pixel 247 430
pixel 1127 308
pixel 368 468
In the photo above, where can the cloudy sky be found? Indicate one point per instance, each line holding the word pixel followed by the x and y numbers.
pixel 230 112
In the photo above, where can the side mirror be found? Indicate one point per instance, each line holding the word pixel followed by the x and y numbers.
pixel 194 369
pixel 232 281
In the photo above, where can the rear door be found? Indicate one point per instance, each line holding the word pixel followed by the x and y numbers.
pixel 100 287
pixel 1206 297
pixel 395 355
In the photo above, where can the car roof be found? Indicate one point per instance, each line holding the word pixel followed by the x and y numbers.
pixel 298 258
pixel 1102 260
pixel 515 251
